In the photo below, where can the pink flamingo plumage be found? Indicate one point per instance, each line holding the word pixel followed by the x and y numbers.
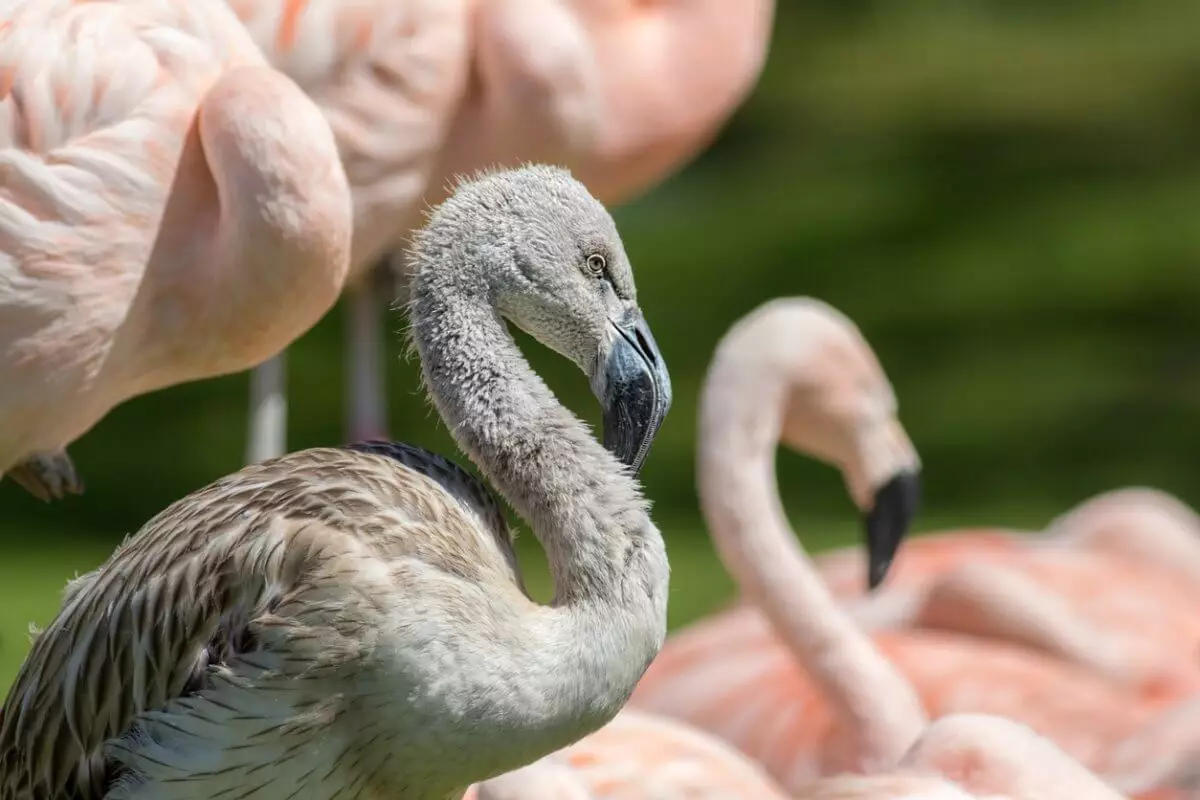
pixel 1139 524
pixel 1121 620
pixel 643 757
pixel 1053 590
pixel 171 208
pixel 389 78
pixel 1136 523
pixel 637 756
pixel 784 690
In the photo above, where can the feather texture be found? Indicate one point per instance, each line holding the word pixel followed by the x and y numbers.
pixel 171 208
pixel 260 582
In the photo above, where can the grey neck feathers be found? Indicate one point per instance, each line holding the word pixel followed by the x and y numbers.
pixel 581 504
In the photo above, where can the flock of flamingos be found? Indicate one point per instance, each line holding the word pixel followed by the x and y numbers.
pixel 186 186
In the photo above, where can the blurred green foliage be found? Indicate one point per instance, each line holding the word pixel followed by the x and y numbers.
pixel 1002 193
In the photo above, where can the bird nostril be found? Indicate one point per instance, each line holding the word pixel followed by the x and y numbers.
pixel 645 347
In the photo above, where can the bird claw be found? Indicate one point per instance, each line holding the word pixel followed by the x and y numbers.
pixel 47 476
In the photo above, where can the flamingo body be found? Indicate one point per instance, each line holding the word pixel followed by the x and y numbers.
pixel 389 78
pixel 171 209
pixel 923 557
pixel 731 676
pixel 638 756
pixel 1137 523
pixel 1130 620
pixel 1130 623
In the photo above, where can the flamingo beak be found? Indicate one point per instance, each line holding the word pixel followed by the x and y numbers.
pixel 634 389
pixel 896 504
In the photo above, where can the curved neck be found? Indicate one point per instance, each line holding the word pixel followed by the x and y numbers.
pixel 739 431
pixel 605 554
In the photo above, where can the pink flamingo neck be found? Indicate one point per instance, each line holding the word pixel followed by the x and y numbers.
pixel 741 409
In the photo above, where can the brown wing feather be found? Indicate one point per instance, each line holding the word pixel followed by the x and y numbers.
pixel 188 592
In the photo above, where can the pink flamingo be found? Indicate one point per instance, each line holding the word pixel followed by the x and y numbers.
pixel 1054 592
pixel 389 78
pixel 800 689
pixel 171 208
pixel 1121 619
pixel 640 756
pixel 621 92
pixel 1138 524
pixel 637 756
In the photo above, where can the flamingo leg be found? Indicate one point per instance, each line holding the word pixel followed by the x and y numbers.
pixel 366 393
pixel 268 410
pixel 47 476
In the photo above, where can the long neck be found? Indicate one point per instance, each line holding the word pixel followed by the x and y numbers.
pixel 606 556
pixel 739 431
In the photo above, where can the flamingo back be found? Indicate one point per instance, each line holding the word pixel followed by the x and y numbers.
pixel 843 569
pixel 898 786
pixel 1137 619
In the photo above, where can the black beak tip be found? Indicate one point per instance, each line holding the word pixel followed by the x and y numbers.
pixel 896 504
pixel 877 570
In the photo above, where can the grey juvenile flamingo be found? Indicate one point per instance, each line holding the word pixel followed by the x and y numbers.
pixel 350 621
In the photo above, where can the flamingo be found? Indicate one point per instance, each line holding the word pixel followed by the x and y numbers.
pixel 389 78
pixel 640 756
pixel 1138 524
pixel 621 92
pixel 1069 592
pixel 1123 620
pixel 796 686
pixel 171 209
pixel 343 622
pixel 1141 633
pixel 637 756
